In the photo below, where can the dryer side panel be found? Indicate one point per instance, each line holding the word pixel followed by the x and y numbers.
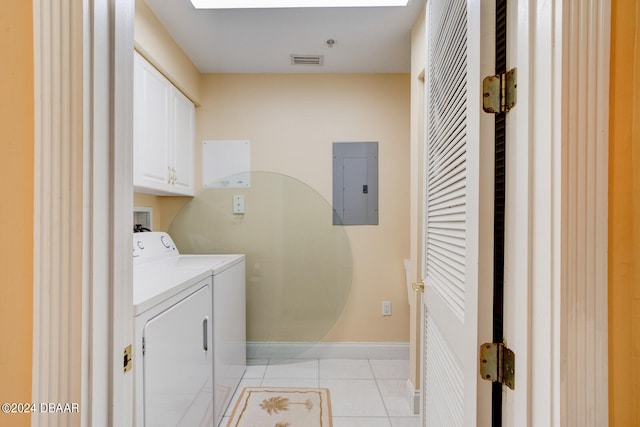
pixel 230 358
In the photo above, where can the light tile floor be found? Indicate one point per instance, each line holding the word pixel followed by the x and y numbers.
pixel 364 393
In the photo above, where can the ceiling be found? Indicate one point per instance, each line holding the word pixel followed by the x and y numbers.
pixel 367 39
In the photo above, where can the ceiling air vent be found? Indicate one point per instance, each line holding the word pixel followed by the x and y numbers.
pixel 307 59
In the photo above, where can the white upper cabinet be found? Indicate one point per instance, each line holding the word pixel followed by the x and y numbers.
pixel 163 134
pixel 183 138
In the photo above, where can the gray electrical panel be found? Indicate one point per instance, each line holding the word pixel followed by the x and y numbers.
pixel 355 183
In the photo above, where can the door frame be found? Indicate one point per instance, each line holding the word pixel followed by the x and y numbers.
pixel 109 206
pixel 83 197
pixel 556 230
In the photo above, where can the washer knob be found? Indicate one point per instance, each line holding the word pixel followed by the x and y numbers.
pixel 166 244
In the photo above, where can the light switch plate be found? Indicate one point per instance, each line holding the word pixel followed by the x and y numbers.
pixel 386 308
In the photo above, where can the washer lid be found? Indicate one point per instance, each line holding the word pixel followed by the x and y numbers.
pixel 159 280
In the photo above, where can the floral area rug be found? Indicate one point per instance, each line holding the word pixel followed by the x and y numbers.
pixel 282 407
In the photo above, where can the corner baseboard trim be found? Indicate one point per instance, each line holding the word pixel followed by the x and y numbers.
pixel 327 350
pixel 413 397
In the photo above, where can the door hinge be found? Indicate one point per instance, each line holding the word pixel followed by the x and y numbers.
pixel 499 93
pixel 128 360
pixel 497 364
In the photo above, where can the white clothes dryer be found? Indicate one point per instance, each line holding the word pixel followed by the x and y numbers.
pixel 190 332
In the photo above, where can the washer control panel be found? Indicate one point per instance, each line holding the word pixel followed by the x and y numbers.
pixel 153 245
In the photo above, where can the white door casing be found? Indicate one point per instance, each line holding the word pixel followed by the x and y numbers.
pixel 458 238
pixel 108 199
pixel 83 203
pixel 58 211
pixel 556 213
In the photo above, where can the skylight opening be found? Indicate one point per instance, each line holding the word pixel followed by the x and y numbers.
pixel 268 4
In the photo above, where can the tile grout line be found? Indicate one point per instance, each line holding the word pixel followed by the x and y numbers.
pixel 384 405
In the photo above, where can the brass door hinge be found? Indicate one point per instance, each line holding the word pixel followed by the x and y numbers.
pixel 497 364
pixel 128 360
pixel 499 93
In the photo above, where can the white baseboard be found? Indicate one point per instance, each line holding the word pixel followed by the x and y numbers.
pixel 327 350
pixel 413 397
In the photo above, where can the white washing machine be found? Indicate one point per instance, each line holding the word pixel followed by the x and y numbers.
pixel 190 328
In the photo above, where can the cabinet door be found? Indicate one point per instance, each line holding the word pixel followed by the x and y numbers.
pixel 152 97
pixel 178 363
pixel 183 141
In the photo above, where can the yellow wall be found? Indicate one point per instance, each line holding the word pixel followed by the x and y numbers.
pixel 291 121
pixel 154 43
pixel 16 215
pixel 267 110
pixel 164 208
pixel 624 217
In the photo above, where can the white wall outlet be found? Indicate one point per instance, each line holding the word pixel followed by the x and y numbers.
pixel 386 308
pixel 238 204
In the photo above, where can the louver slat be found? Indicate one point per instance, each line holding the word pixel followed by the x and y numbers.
pixel 445 252
pixel 443 380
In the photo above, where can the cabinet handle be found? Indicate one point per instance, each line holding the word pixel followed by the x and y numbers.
pixel 172 175
pixel 205 339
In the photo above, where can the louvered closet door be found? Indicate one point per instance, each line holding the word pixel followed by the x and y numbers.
pixel 458 233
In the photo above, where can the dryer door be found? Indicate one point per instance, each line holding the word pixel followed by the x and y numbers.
pixel 178 363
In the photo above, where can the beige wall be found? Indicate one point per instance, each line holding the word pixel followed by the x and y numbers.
pixel 291 121
pixel 164 208
pixel 154 43
pixel 624 216
pixel 16 216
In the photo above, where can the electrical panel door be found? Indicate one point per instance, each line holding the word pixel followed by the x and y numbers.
pixel 355 183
